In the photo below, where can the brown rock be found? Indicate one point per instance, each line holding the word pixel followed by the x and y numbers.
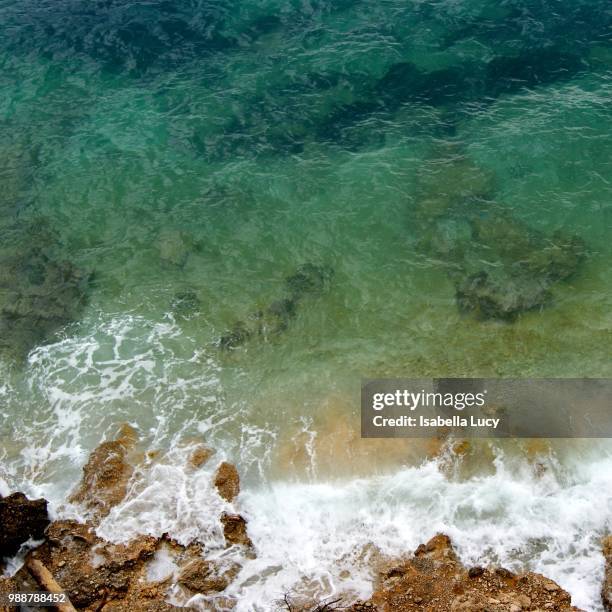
pixel 227 481
pixel 606 590
pixel 92 571
pixel 234 530
pixel 105 476
pixel 200 455
pixel 435 580
pixel 20 519
pixel 7 585
pixel 202 576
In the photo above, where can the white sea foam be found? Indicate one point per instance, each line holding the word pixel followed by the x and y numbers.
pixel 76 391
pixel 322 538
pixel 317 538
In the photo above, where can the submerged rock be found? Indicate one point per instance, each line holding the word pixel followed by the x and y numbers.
pixel 186 303
pixel 308 280
pixel 21 519
pixel 500 266
pixel 501 296
pixel 200 455
pixel 512 268
pixel 174 247
pixel 40 292
pixel 237 336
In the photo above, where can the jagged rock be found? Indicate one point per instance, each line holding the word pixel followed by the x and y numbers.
pixel 476 571
pixel 99 575
pixel 434 579
pixel 227 481
pixel 234 530
pixel 105 476
pixel 21 519
pixel 67 555
pixel 202 576
pixel 7 586
pixel 91 570
pixel 606 590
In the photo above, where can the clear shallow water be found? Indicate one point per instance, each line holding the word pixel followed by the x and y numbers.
pixel 213 148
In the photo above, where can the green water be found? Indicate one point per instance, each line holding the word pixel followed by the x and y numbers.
pixel 214 147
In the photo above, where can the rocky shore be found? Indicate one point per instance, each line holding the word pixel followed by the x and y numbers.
pixel 97 575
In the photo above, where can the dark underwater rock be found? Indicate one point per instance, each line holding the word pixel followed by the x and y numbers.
pixel 500 266
pixel 186 303
pixel 503 297
pixel 237 336
pixel 21 519
pixel 522 267
pixel 308 280
pixel 280 312
pixel 40 292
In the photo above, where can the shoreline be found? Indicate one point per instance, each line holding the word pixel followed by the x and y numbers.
pixel 99 575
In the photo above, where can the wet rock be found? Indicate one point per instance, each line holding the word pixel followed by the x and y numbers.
pixel 7 586
pixel 435 579
pixel 92 571
pixel 202 576
pixel 99 575
pixel 21 519
pixel 476 571
pixel 200 455
pixel 606 590
pixel 40 292
pixel 105 476
pixel 234 530
pixel 227 481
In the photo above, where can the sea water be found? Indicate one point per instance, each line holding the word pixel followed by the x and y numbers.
pixel 199 153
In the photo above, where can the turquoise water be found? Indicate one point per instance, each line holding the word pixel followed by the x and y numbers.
pixel 183 159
